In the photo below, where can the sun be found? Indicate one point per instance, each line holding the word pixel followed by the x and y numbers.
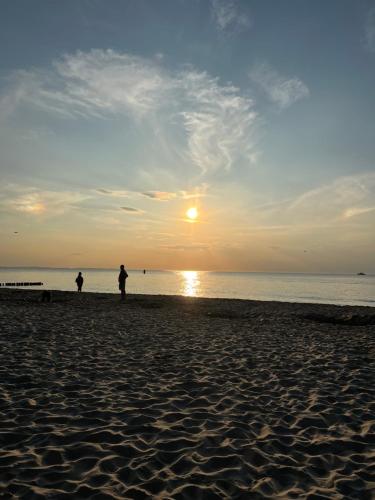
pixel 192 213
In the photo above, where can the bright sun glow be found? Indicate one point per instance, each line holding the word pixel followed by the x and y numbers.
pixel 192 213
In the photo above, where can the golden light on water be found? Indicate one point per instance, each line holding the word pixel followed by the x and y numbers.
pixel 192 213
pixel 190 283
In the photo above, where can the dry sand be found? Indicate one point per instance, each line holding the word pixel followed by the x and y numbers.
pixel 171 397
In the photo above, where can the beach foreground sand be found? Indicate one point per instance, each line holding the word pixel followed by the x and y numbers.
pixel 172 397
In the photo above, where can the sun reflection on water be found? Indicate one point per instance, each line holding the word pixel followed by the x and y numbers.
pixel 190 283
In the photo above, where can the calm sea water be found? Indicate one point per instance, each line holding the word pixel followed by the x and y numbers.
pixel 321 288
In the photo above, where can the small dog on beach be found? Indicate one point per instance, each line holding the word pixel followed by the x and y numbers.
pixel 46 296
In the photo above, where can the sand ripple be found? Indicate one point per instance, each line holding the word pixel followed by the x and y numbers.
pixel 184 399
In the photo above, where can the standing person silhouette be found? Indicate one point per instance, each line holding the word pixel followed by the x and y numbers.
pixel 79 281
pixel 121 281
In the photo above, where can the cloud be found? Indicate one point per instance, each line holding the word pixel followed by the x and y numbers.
pixel 226 15
pixel 19 88
pixel 221 124
pixel 132 210
pixel 116 193
pixel 215 122
pixel 159 195
pixel 103 191
pixel 112 81
pixel 352 212
pixel 35 202
pixel 94 83
pixel 279 89
pixel 344 198
pixel 197 192
pixel 370 30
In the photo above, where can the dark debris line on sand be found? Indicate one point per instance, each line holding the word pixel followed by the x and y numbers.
pixel 166 397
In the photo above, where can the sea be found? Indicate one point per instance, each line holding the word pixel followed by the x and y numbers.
pixel 341 289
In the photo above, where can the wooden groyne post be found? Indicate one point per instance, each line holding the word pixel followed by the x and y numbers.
pixel 23 283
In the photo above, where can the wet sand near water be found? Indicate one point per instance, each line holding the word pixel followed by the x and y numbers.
pixel 182 398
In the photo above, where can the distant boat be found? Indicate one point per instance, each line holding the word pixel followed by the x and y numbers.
pixel 361 274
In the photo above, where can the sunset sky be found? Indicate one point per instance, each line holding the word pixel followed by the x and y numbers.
pixel 117 116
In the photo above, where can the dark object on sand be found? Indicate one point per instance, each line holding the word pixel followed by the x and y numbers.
pixel 22 283
pixel 348 320
pixel 361 274
pixel 46 296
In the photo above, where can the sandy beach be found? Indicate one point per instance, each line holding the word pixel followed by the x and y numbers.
pixel 181 398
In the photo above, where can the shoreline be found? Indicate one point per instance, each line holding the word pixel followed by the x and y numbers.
pixel 177 397
pixel 57 293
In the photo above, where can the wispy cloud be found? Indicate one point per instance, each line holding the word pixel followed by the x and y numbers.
pixel 159 195
pixel 370 30
pixel 281 90
pixel 103 191
pixel 221 124
pixel 196 192
pixel 19 87
pixel 354 211
pixel 217 121
pixel 36 202
pixel 132 210
pixel 342 199
pixel 227 15
pixel 116 193
pixel 112 81
pixel 94 83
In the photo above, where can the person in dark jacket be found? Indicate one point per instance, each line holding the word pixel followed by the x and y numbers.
pixel 122 281
pixel 79 281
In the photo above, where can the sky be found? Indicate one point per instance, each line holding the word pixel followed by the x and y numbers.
pixel 117 116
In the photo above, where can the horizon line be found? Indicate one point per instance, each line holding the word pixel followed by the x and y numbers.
pixel 183 270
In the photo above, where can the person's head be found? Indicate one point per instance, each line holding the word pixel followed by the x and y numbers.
pixel 79 274
pixel 122 266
